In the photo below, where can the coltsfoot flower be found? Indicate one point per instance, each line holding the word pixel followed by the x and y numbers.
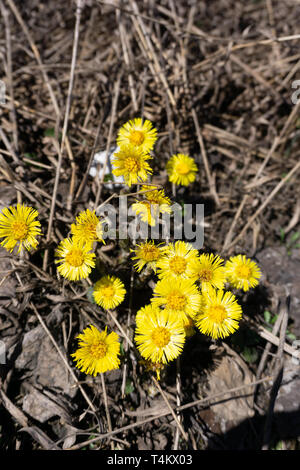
pixel 180 296
pixel 242 273
pixel 181 169
pixel 76 261
pixel 19 228
pixel 98 351
pixel 109 292
pixel 177 260
pixel 131 163
pixel 87 227
pixel 219 315
pixel 160 336
pixel 138 133
pixel 155 203
pixel 209 270
pixel 147 254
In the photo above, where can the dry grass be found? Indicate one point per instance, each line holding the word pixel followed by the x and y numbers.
pixel 215 78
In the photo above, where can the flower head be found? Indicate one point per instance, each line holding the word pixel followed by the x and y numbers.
pixel 155 195
pixel 148 212
pixel 87 227
pixel 155 203
pixel 177 260
pixel 19 227
pixel 109 292
pixel 242 272
pixel 219 315
pixel 131 163
pixel 76 261
pixel 147 253
pixel 180 296
pixel 138 133
pixel 209 270
pixel 181 169
pixel 160 336
pixel 97 352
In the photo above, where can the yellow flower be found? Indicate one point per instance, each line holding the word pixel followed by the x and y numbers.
pixel 149 212
pixel 87 227
pixel 155 195
pixel 147 253
pixel 160 336
pixel 155 203
pixel 97 352
pixel 143 312
pixel 76 261
pixel 131 163
pixel 242 272
pixel 180 296
pixel 219 315
pixel 177 260
pixel 209 270
pixel 109 292
pixel 18 227
pixel 181 169
pixel 138 133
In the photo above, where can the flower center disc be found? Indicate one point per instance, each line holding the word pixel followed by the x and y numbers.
pixel 137 137
pixel 161 337
pixel 99 350
pixel 205 275
pixel 75 257
pixel 91 227
pixel 243 272
pixel 150 253
pixel 153 197
pixel 108 291
pixel 182 168
pixel 217 313
pixel 131 164
pixel 177 264
pixel 20 230
pixel 176 301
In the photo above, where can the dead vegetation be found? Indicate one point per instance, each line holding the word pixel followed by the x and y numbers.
pixel 215 78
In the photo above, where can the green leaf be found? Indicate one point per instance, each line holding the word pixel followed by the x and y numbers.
pixel 108 177
pixel 267 316
pixel 294 237
pixel 273 319
pixel 129 388
pixel 282 235
pixel 250 355
pixel 291 336
pixel 49 132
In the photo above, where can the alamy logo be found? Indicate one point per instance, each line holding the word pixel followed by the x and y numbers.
pixel 296 95
pixel 2 92
pixel 2 353
pixel 296 353
pixel 183 222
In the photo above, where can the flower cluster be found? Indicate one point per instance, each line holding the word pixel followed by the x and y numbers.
pixel 136 141
pixel 191 291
